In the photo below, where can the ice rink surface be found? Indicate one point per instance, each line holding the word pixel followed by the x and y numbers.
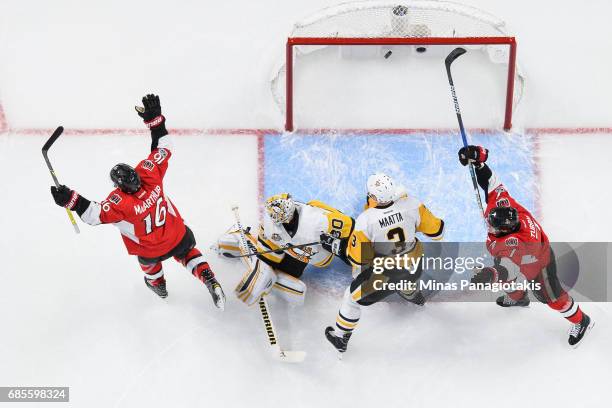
pixel 74 309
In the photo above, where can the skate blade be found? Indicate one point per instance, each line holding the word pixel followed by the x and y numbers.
pixel 586 333
pixel 287 356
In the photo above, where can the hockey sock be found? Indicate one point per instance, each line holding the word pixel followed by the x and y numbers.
pixel 348 315
pixel 195 263
pixel 154 273
pixel 568 308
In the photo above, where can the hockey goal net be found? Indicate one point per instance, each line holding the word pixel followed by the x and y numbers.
pixel 416 28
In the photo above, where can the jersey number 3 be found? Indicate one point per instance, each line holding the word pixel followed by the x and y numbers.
pixel 160 217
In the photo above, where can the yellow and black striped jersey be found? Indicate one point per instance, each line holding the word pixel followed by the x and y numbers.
pixel 313 219
pixel 397 222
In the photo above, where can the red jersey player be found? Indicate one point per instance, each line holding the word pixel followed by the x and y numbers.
pixel 517 240
pixel 151 226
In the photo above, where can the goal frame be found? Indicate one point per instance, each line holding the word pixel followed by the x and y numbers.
pixel 322 41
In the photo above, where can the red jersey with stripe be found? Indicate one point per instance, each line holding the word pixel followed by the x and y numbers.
pixel 528 248
pixel 150 224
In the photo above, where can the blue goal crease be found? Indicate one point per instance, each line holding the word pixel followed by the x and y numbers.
pixel 334 168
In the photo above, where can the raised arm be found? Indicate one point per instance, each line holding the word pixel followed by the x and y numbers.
pixel 478 155
pixel 151 113
pixel 161 143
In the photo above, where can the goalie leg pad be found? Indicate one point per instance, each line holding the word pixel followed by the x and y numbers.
pixel 289 288
pixel 229 243
pixel 256 282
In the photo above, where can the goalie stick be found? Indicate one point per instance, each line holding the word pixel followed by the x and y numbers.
pixel 272 250
pixel 454 54
pixel 45 151
pixel 286 356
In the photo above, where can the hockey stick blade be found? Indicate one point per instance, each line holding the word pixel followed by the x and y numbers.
pixel 286 356
pixel 454 54
pixel 58 132
pixel 291 356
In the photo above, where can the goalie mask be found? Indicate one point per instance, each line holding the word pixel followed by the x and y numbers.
pixel 280 208
pixel 381 189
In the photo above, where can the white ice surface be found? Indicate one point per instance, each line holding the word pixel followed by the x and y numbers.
pixel 74 310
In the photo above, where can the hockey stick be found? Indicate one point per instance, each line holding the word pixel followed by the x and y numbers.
pixel 45 150
pixel 281 249
pixel 282 355
pixel 456 53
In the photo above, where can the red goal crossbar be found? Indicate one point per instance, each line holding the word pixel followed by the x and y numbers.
pixel 510 41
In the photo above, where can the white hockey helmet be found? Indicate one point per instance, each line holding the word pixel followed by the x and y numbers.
pixel 280 208
pixel 381 188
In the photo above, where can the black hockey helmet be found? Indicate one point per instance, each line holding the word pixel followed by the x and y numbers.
pixel 125 177
pixel 503 221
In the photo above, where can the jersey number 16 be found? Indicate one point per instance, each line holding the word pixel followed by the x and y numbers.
pixel 160 216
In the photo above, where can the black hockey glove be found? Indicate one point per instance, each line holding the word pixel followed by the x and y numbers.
pixel 65 197
pixel 490 274
pixel 151 113
pixel 473 154
pixel 333 244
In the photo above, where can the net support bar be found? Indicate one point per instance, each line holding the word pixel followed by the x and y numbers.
pixel 510 41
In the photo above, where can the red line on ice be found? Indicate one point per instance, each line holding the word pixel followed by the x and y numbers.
pixel 301 132
pixel 3 123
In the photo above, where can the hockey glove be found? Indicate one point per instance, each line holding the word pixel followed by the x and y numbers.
pixel 151 113
pixel 473 154
pixel 490 274
pixel 65 197
pixel 332 244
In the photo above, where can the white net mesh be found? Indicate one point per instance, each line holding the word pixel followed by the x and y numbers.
pixel 404 19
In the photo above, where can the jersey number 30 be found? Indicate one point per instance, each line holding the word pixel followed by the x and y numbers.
pixel 160 216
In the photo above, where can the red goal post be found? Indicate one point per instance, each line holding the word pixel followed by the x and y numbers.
pixel 458 41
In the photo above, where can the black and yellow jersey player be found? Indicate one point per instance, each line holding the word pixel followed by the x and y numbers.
pixel 387 227
pixel 287 222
